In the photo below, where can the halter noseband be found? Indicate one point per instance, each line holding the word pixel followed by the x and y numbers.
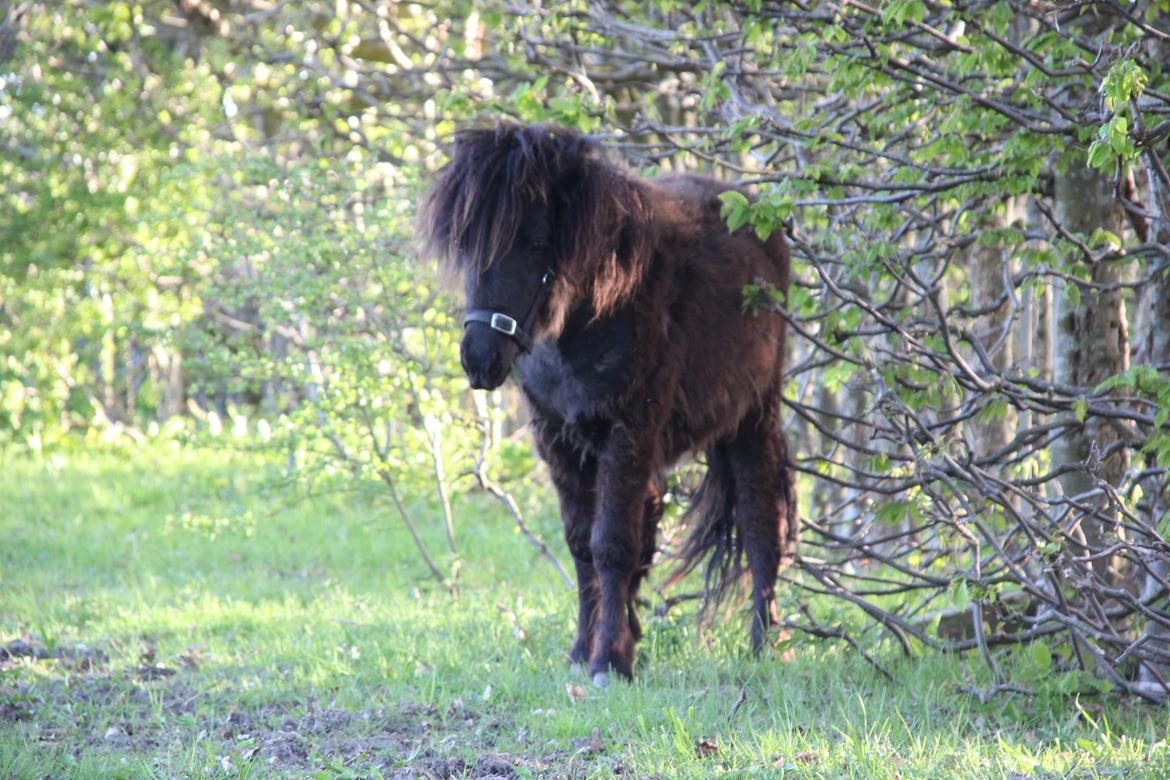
pixel 502 323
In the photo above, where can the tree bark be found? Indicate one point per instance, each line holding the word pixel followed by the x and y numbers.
pixel 1092 344
pixel 988 276
pixel 1152 347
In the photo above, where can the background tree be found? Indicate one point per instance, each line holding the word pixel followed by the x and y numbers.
pixel 897 144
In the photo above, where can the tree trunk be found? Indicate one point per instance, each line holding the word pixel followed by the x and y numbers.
pixel 1092 344
pixel 1152 347
pixel 988 277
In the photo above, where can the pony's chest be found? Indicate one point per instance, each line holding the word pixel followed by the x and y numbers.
pixel 583 373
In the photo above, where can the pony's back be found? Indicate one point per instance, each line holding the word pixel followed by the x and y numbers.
pixel 734 346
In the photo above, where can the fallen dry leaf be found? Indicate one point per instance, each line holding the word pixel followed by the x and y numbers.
pixel 591 746
pixel 193 658
pixel 576 692
pixel 784 644
pixel 807 757
pixel 705 748
pixel 510 616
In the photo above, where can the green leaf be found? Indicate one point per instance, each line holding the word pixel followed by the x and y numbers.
pixel 733 199
pixel 1100 156
pixel 1118 133
pixel 1125 81
pixel 961 594
pixel 1102 236
pixel 901 11
pixel 892 512
pixel 736 209
pixel 1041 656
pixel 737 219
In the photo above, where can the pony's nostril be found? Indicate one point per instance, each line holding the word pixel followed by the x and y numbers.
pixel 485 366
pixel 495 365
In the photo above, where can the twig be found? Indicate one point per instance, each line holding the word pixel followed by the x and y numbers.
pixel 505 498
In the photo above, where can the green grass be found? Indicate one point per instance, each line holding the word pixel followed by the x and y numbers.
pixel 195 623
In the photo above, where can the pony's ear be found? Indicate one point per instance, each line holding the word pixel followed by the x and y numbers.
pixel 465 138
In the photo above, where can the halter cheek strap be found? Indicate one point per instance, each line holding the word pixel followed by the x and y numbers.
pixel 502 323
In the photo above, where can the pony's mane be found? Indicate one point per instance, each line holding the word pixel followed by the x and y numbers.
pixel 474 209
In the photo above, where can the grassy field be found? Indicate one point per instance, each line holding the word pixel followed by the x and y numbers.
pixel 165 614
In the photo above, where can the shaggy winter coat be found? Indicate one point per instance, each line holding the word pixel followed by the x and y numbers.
pixel 632 343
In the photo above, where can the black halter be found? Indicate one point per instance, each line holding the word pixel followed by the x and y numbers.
pixel 517 331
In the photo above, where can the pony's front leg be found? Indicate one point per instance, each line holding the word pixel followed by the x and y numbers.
pixel 574 477
pixel 616 546
pixel 587 597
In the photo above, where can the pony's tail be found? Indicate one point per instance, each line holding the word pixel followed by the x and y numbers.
pixel 713 533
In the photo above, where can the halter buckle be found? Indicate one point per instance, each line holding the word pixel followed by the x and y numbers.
pixel 503 323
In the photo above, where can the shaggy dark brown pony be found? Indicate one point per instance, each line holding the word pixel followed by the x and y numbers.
pixel 618 302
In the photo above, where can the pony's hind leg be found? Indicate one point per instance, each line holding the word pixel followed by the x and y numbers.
pixel 763 509
pixel 648 542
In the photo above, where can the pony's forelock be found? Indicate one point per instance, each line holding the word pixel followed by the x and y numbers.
pixel 477 202
pixel 474 209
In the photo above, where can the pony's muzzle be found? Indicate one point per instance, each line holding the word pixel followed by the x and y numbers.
pixel 486 357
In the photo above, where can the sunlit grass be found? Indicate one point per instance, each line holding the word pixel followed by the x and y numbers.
pixel 223 613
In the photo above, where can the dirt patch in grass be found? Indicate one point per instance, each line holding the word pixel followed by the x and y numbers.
pixel 128 714
pixel 85 707
pixel 77 657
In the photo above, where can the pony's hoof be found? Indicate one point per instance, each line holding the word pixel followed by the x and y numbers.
pixel 601 680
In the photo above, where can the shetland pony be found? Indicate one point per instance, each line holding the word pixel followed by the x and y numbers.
pixel 618 304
